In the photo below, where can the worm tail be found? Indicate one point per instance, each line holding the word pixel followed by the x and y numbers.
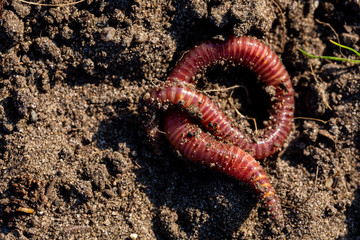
pixel 200 147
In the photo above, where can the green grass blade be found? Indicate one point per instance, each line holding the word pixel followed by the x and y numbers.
pixel 308 54
pixel 331 57
pixel 346 47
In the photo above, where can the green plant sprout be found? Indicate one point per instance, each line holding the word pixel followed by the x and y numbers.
pixel 332 57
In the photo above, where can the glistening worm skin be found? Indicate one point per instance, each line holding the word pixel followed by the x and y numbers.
pixel 248 52
pixel 200 147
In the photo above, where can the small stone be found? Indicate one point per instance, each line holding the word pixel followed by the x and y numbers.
pixel 107 222
pixel 133 236
pixel 66 32
pixel 108 34
pixel 33 116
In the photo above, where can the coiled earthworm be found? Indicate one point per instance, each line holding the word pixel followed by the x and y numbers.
pixel 196 145
pixel 258 57
pixel 231 157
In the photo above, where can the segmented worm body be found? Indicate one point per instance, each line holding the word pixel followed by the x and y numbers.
pixel 258 57
pixel 200 147
pixel 235 158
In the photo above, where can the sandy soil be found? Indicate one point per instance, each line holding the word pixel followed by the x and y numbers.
pixel 75 161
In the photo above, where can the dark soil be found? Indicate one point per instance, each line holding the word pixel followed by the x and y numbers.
pixel 75 161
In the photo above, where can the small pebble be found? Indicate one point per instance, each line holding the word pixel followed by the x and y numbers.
pixel 67 32
pixel 133 236
pixel 33 116
pixel 108 34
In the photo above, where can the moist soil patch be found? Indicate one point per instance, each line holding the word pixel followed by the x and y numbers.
pixel 75 160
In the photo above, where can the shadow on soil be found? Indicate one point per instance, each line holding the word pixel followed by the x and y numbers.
pixel 353 218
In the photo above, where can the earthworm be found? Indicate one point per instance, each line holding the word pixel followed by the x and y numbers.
pixel 235 158
pixel 194 144
pixel 260 59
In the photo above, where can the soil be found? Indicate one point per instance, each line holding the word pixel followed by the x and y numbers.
pixel 76 162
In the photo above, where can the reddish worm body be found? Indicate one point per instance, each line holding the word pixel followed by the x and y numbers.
pixel 264 63
pixel 227 158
